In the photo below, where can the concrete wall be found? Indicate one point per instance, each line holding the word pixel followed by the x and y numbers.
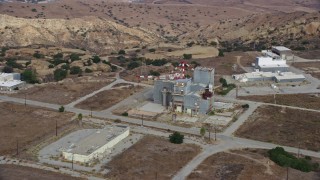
pixel 203 76
pixel 157 91
pixel 99 152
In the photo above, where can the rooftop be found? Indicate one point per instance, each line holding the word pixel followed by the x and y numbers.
pixel 97 139
pixel 281 48
pixel 204 68
pixel 10 83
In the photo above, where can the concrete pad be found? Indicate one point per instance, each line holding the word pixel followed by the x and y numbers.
pixel 152 107
pixel 218 120
pixel 222 105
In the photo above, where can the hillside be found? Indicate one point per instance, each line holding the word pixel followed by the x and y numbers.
pixel 92 33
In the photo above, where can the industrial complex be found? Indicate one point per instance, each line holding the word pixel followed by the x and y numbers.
pixel 96 144
pixel 272 66
pixel 185 95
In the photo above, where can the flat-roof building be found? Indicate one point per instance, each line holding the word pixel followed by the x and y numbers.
pixel 283 52
pixel 269 76
pixel 96 145
pixel 10 81
pixel 269 64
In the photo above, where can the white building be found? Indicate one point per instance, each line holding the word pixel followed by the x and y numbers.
pixel 269 76
pixel 10 81
pixel 96 145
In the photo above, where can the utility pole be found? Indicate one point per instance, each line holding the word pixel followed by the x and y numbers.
pixel 287 172
pixel 142 121
pixel 17 146
pixel 25 99
pixel 56 128
pixel 90 111
pixel 72 162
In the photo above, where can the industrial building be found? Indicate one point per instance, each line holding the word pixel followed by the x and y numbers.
pixel 283 52
pixel 10 81
pixel 192 96
pixel 269 64
pixel 279 77
pixel 96 145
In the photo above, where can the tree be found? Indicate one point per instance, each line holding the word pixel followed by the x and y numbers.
pixel 176 138
pixel 60 74
pixel 96 59
pixel 202 131
pixel 75 70
pixel 29 76
pixel 223 82
pixel 133 65
pixel 61 109
pixel 80 119
pixel 152 50
pixel 154 73
pixel 58 56
pixel 87 70
pixel 122 52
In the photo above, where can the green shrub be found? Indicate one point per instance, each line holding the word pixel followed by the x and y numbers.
pixel 221 53
pixel 51 66
pixel 152 50
pixel 60 74
pixel 245 106
pixel 74 57
pixel 133 65
pixel 58 56
pixel 176 138
pixel 96 59
pixel 61 109
pixel 154 73
pixel 125 114
pixel 122 52
pixel 187 56
pixel 87 70
pixel 75 70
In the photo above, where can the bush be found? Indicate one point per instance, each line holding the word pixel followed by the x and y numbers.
pixel 13 63
pixel 283 158
pixel 156 62
pixel 125 114
pixel 195 63
pixel 60 74
pixel 7 69
pixel 61 109
pixel 87 70
pixel 122 52
pixel 133 65
pixel 152 50
pixel 51 66
pixel 29 76
pixel 114 68
pixel 74 57
pixel 223 82
pixel 65 67
pixel 213 43
pixel 75 70
pixel 154 73
pixel 176 138
pixel 187 56
pixel 58 56
pixel 221 54
pixel 245 106
pixel 96 59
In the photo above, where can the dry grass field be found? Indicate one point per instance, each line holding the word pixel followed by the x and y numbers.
pixel 14 172
pixel 151 158
pixel 27 125
pixel 108 98
pixel 243 165
pixel 63 92
pixel 283 126
pixel 309 101
pixel 312 68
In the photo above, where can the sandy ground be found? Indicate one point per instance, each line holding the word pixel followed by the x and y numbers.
pixel 64 92
pixel 13 172
pixel 27 125
pixel 243 165
pixel 284 126
pixel 310 101
pixel 152 158
pixel 108 98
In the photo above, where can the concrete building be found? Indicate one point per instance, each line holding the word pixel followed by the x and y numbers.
pixel 269 76
pixel 187 95
pixel 10 81
pixel 283 52
pixel 96 145
pixel 269 64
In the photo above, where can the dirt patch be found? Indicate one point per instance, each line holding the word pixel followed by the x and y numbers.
pixel 108 98
pixel 27 125
pixel 14 172
pixel 244 164
pixel 310 101
pixel 284 126
pixel 63 92
pixel 312 68
pixel 151 158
